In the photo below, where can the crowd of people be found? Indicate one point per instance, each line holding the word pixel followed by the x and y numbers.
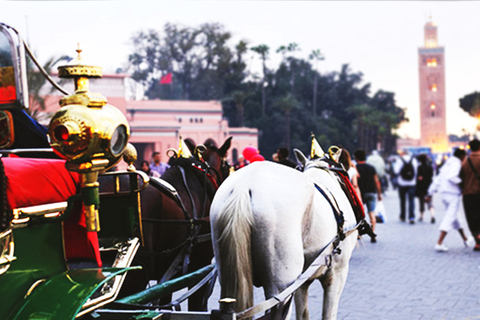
pixel 457 181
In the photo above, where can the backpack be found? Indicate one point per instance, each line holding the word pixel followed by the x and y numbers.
pixel 408 172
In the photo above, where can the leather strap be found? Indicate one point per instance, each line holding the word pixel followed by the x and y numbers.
pixel 473 168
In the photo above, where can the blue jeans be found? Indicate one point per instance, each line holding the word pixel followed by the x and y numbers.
pixel 404 192
pixel 370 199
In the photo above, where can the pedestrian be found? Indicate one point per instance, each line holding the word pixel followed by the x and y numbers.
pixel 350 168
pixel 424 180
pixel 157 164
pixel 282 154
pixel 241 163
pixel 369 186
pixel 405 168
pixel 471 190
pixel 376 160
pixel 447 185
pixel 145 167
pixel 393 176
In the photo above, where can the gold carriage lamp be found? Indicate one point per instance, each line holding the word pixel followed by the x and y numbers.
pixel 89 133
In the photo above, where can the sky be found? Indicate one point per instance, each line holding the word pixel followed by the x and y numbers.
pixel 378 38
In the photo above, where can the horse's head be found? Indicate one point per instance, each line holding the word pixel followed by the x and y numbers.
pixel 216 160
pixel 318 163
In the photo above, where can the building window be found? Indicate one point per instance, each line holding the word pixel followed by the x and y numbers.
pixel 201 120
pixel 432 62
pixel 180 120
pixel 433 106
pixel 191 120
pixel 433 87
pixel 433 114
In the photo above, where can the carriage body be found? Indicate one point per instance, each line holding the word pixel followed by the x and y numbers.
pixel 65 252
pixel 42 281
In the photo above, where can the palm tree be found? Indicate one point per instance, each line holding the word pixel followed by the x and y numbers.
pixel 291 48
pixel 262 50
pixel 317 56
pixel 286 104
pixel 238 97
pixel 36 84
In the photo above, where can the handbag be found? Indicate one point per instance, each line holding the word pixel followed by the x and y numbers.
pixel 380 213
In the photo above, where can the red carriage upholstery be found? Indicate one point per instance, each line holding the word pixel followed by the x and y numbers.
pixel 32 182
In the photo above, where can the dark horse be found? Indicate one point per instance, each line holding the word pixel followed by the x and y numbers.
pixel 177 229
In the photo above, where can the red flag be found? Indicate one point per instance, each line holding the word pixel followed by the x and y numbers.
pixel 166 79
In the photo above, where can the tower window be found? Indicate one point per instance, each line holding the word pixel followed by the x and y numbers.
pixel 432 62
pixel 433 87
pixel 433 106
pixel 433 114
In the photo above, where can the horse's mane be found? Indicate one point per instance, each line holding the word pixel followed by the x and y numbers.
pixel 184 162
pixel 321 164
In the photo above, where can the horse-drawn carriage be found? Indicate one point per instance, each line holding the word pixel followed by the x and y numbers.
pixel 80 241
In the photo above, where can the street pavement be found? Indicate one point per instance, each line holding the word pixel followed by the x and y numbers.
pixel 402 277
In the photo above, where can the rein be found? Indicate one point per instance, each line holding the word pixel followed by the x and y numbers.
pixel 339 218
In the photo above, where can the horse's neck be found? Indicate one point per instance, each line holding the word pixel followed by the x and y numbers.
pixel 191 188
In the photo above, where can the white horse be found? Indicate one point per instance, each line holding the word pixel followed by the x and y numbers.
pixel 269 222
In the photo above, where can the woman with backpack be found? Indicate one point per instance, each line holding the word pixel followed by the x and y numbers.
pixel 424 180
pixel 406 169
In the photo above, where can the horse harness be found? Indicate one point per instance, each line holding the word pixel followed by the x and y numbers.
pixel 195 220
pixel 339 218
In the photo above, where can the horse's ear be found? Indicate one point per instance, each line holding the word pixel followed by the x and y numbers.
pixel 190 144
pixel 300 158
pixel 224 148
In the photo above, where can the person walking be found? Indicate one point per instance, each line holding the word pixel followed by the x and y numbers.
pixel 469 174
pixel 376 160
pixel 406 169
pixel 283 158
pixel 145 167
pixel 369 186
pixel 447 185
pixel 350 168
pixel 424 180
pixel 157 164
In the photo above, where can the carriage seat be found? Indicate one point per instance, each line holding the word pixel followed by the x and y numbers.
pixel 32 182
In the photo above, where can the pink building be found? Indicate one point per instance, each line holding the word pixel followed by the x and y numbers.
pixel 156 125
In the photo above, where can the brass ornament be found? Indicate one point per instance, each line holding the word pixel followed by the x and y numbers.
pixel 130 156
pixel 78 70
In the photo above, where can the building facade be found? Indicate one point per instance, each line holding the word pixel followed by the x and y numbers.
pixel 157 125
pixel 431 66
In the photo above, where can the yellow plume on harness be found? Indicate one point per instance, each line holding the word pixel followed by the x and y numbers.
pixel 316 150
pixel 183 150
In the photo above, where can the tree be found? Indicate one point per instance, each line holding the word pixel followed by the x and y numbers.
pixel 239 97
pixel 262 50
pixel 206 67
pixel 203 66
pixel 317 56
pixel 39 87
pixel 286 104
pixel 471 104
pixel 291 49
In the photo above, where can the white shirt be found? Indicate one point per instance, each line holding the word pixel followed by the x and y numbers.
pixel 448 179
pixel 397 167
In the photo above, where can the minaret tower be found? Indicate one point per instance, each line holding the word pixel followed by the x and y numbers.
pixel 431 66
